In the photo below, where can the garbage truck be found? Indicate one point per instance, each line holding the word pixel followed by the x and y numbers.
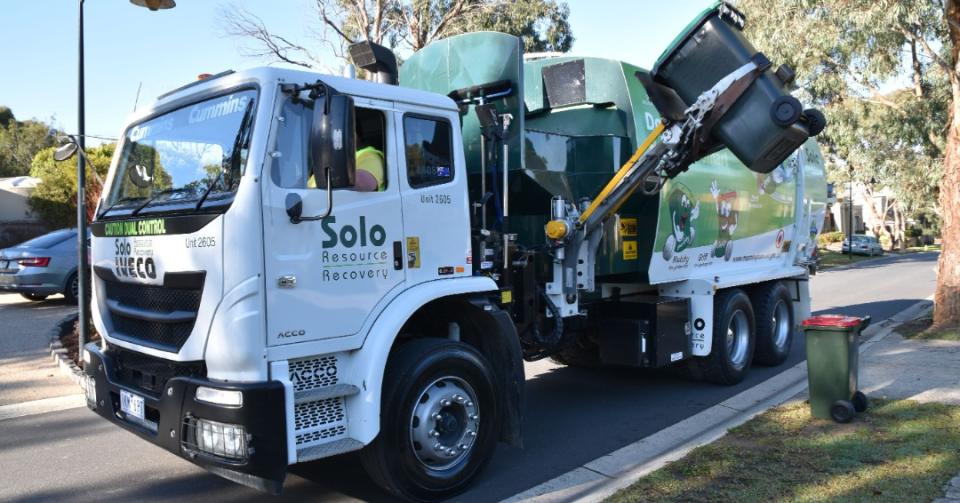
pixel 257 310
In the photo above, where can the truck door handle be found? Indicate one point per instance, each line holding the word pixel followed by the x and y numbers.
pixel 397 256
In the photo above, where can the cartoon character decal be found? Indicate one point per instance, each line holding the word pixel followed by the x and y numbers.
pixel 768 183
pixel 683 214
pixel 728 218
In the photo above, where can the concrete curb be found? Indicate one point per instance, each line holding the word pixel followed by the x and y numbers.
pixel 59 353
pixel 886 254
pixel 604 476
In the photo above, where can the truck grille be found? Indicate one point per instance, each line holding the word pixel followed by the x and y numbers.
pixel 149 374
pixel 313 373
pixel 160 317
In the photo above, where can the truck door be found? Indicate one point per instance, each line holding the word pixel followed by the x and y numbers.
pixel 324 278
pixel 435 206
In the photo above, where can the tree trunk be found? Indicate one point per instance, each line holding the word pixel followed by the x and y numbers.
pixel 900 227
pixel 947 298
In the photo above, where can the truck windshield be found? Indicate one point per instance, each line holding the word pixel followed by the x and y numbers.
pixel 185 159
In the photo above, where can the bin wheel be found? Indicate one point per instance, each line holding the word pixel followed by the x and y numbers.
pixel 785 111
pixel 842 411
pixel 815 121
pixel 860 401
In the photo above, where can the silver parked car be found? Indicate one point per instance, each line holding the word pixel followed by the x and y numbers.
pixel 42 266
pixel 863 245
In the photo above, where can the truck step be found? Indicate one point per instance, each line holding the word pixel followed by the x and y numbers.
pixel 328 449
pixel 312 395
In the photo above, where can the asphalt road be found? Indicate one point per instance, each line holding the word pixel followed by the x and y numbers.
pixel 573 416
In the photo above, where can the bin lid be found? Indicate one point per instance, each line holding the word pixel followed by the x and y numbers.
pixel 832 321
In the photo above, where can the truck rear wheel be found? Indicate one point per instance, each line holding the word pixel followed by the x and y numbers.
pixel 438 420
pixel 774 310
pixel 582 353
pixel 734 335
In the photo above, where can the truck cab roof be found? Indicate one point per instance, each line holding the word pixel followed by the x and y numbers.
pixel 266 75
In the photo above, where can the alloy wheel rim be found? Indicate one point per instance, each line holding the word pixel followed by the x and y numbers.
pixel 444 423
pixel 781 324
pixel 738 337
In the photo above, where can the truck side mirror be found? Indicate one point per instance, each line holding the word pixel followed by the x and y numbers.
pixel 332 142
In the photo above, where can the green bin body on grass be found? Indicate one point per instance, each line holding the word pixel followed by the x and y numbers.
pixel 833 354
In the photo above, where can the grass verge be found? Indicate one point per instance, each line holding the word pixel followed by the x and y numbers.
pixel 920 329
pixel 896 451
pixel 830 258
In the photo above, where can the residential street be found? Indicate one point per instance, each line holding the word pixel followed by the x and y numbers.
pixel 572 415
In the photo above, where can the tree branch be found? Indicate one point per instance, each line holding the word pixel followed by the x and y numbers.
pixel 929 50
pixel 240 23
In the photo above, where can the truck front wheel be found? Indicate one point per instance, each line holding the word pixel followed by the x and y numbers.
pixel 438 420
pixel 733 339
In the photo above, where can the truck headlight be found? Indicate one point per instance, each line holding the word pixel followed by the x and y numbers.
pixel 221 439
pixel 215 396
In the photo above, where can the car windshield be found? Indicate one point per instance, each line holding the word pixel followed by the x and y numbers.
pixel 190 155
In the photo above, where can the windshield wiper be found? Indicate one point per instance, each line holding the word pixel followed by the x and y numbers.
pixel 118 202
pixel 240 141
pixel 161 193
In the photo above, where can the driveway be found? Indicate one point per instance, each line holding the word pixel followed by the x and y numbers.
pixel 26 370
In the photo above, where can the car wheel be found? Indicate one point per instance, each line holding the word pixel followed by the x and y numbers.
pixel 734 336
pixel 36 297
pixel 438 420
pixel 72 290
pixel 775 326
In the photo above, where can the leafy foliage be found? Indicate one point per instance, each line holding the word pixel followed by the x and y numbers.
pixel 19 142
pixel 55 198
pixel 407 25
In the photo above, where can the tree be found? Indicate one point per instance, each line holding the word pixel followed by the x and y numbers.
pixel 405 24
pixel 19 142
pixel 55 197
pixel 850 56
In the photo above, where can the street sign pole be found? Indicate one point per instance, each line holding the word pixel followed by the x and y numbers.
pixel 82 271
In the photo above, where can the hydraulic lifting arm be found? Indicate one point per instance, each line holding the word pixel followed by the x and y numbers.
pixel 680 139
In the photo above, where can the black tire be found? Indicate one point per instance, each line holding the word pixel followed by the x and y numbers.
pixel 414 369
pixel 582 353
pixel 771 303
pixel 860 401
pixel 816 121
pixel 785 111
pixel 726 364
pixel 71 288
pixel 842 411
pixel 36 297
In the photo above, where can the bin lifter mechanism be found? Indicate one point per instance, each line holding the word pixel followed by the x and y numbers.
pixel 681 138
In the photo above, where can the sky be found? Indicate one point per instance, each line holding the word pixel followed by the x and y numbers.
pixel 129 47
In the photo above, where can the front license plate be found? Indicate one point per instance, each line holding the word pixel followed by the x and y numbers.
pixel 131 404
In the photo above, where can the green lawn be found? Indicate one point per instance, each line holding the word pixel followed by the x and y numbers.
pixel 915 249
pixel 920 329
pixel 897 451
pixel 830 258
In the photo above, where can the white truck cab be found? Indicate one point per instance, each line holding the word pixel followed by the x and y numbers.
pixel 241 338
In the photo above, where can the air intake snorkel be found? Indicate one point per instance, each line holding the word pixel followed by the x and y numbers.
pixel 375 59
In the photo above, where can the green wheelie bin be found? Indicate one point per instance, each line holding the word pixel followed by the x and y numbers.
pixel 833 354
